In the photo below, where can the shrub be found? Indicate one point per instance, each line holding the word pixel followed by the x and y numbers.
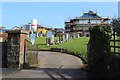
pixel 100 40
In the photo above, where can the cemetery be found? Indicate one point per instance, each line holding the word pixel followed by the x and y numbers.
pixel 89 43
pixel 70 45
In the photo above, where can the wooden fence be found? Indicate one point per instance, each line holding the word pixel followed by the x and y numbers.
pixel 115 40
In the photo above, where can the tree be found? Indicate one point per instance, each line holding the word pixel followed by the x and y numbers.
pixel 116 24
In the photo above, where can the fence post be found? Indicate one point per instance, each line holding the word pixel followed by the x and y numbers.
pixel 37 48
pixel 37 59
pixel 114 42
pixel 24 44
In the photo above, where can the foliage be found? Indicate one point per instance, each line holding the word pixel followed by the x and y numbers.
pixel 100 37
pixel 116 25
pixel 100 40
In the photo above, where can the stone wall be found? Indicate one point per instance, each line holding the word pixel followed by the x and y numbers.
pixel 13 50
pixel 16 49
pixel 4 54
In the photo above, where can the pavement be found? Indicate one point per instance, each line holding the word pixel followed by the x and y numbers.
pixel 53 65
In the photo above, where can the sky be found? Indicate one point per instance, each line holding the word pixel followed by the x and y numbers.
pixel 52 14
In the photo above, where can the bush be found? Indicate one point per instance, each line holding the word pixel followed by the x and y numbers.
pixel 100 40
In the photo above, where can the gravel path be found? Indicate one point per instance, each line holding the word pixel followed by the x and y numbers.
pixel 52 65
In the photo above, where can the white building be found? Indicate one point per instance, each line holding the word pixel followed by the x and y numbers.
pixel 34 24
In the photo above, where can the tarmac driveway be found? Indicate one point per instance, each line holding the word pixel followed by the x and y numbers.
pixel 53 65
pixel 58 60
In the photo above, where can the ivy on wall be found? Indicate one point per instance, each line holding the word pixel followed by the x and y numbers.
pixel 99 44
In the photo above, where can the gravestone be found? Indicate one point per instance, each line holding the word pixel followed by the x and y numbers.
pixel 41 34
pixel 78 35
pixel 1 39
pixel 49 34
pixel 67 36
pixel 48 41
pixel 37 34
pixel 60 38
pixel 63 37
pixel 32 37
pixel 73 35
pixel 52 38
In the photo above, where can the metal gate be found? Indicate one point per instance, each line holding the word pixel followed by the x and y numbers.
pixel 31 53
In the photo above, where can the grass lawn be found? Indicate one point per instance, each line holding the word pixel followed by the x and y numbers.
pixel 117 44
pixel 41 42
pixel 78 45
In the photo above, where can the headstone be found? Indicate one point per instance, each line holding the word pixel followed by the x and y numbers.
pixel 52 38
pixel 77 35
pixel 73 35
pixel 63 37
pixel 1 39
pixel 59 38
pixel 81 34
pixel 49 34
pixel 37 34
pixel 48 41
pixel 67 36
pixel 32 37
pixel 40 35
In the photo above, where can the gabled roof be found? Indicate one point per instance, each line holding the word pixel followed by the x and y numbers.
pixel 89 14
pixel 15 28
pixel 90 11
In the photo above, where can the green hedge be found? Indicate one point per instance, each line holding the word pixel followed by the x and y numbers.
pixel 100 46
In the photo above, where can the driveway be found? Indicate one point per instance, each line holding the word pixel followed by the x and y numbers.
pixel 59 60
pixel 53 65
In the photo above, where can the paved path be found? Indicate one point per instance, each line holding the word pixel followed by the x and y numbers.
pixel 59 60
pixel 52 65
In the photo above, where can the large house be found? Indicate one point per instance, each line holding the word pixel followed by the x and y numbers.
pixel 79 26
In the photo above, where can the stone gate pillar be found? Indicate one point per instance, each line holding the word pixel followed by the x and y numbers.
pixel 15 50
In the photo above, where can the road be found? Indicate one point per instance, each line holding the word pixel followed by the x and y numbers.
pixel 52 65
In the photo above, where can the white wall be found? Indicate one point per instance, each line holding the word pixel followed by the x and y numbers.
pixel 92 21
